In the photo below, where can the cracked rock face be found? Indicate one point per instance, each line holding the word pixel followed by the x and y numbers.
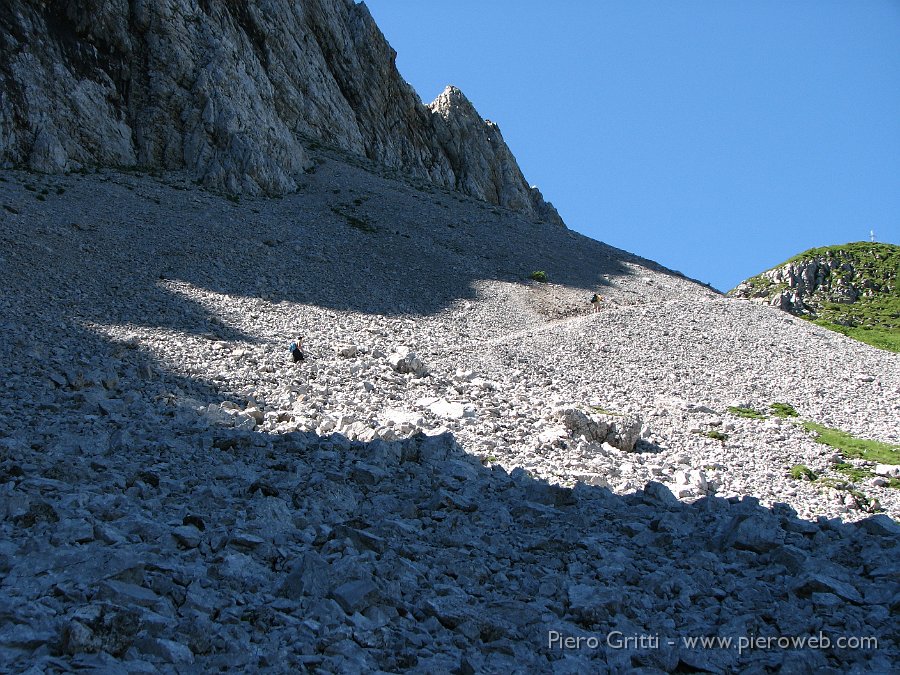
pixel 233 91
pixel 482 162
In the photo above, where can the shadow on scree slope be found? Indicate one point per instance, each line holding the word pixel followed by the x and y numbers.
pixel 546 530
pixel 774 573
pixel 751 571
pixel 426 249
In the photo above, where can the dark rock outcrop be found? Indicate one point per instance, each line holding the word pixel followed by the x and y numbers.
pixel 232 91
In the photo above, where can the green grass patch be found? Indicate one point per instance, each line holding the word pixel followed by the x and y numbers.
pixel 604 411
pixel 716 435
pixel 857 474
pixel 883 338
pixel 853 472
pixel 750 413
pixel 783 410
pixel 833 483
pixel 538 275
pixel 802 472
pixel 851 446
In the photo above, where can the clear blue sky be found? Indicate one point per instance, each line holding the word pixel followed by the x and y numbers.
pixel 718 138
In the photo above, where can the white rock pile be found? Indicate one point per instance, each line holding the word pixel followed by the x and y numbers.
pixel 177 496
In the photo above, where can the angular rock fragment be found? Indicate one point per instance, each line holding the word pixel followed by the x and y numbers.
pixel 404 360
pixel 308 577
pixel 354 596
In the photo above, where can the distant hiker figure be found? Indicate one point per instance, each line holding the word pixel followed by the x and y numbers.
pixel 595 301
pixel 297 349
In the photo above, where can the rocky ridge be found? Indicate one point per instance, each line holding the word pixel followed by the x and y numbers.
pixel 466 465
pixel 822 281
pixel 235 93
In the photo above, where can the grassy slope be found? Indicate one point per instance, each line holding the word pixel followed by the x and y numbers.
pixel 874 320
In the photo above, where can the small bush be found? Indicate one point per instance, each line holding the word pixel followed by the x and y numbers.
pixel 716 435
pixel 783 410
pixel 538 275
pixel 746 412
pixel 802 472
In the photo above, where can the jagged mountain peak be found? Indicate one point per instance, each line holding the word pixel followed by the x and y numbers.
pixel 232 92
pixel 451 97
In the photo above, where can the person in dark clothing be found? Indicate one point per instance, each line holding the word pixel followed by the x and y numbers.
pixel 297 349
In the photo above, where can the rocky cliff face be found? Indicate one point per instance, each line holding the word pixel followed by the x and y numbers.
pixel 231 91
pixel 837 283
pixel 479 158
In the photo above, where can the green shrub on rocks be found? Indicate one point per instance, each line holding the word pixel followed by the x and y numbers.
pixel 802 472
pixel 538 275
pixel 750 413
pixel 783 410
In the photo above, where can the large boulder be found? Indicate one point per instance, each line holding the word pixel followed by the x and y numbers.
pixel 621 431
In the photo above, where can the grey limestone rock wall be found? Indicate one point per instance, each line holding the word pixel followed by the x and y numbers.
pixel 231 90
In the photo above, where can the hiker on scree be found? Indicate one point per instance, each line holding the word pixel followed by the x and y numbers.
pixel 297 349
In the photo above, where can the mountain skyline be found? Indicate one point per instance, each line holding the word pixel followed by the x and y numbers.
pixel 716 140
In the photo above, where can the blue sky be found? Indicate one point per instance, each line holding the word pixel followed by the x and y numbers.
pixel 718 138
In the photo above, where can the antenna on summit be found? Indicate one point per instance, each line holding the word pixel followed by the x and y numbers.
pixel 872 236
